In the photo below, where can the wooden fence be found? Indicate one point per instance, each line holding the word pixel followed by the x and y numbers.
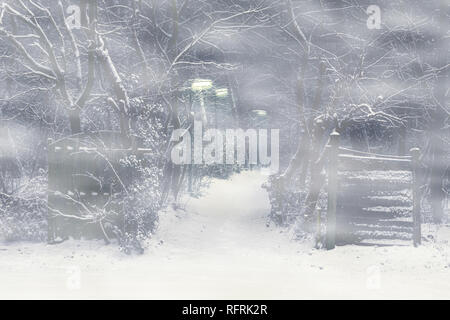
pixel 82 182
pixel 367 194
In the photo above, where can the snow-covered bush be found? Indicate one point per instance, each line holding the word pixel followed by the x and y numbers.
pixel 141 203
pixel 23 215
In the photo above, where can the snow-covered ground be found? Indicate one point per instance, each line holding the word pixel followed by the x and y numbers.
pixel 221 247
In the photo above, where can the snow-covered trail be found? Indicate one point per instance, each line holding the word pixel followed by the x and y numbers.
pixel 220 247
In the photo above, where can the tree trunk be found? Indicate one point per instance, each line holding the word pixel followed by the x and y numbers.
pixel 438 164
pixel 438 168
pixel 317 179
pixel 75 121
pixel 234 98
pixel 401 151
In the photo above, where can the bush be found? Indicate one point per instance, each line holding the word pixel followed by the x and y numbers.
pixel 140 204
pixel 23 214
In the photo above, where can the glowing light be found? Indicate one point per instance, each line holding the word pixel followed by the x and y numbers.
pixel 261 113
pixel 201 84
pixel 222 92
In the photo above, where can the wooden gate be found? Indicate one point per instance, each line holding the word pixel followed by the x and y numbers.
pixel 371 196
pixel 83 182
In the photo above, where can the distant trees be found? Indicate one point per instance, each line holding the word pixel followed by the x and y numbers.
pixel 78 68
pixel 83 66
pixel 376 86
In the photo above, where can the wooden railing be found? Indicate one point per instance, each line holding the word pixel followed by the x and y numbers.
pixel 81 181
pixel 342 160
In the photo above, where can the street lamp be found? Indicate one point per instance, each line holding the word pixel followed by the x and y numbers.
pixel 200 85
pixel 222 93
pixel 259 112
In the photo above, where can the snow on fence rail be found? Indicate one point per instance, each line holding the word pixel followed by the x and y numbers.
pixel 347 160
pixel 82 181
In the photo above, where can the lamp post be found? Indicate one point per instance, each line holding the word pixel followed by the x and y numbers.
pixel 220 93
pixel 201 85
pixel 198 86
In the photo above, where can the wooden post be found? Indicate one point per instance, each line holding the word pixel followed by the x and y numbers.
pixel 134 144
pixel 191 166
pixel 417 220
pixel 332 190
pixel 50 190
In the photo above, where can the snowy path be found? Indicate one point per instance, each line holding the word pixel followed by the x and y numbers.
pixel 221 248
